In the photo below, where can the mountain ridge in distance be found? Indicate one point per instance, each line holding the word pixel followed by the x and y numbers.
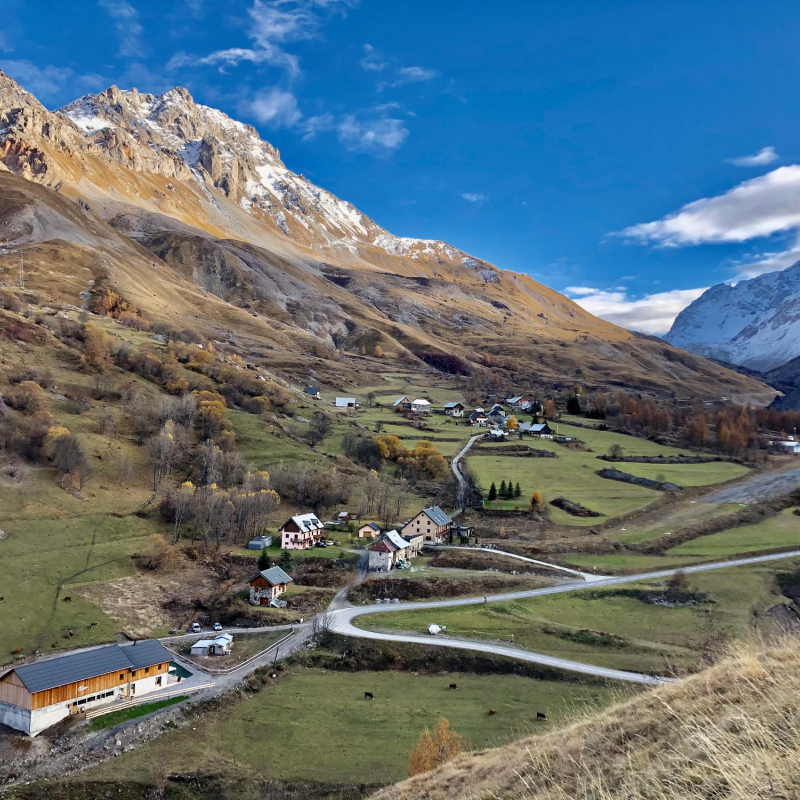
pixel 194 218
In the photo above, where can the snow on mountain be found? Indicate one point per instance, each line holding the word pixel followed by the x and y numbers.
pixel 229 156
pixel 755 323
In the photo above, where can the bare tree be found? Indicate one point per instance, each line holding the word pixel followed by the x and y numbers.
pixel 68 456
pixel 322 627
pixel 160 450
pixel 209 457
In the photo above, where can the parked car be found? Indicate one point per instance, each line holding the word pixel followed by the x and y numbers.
pixel 217 626
pixel 196 627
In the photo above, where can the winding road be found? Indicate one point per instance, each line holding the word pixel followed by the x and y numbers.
pixel 462 481
pixel 342 619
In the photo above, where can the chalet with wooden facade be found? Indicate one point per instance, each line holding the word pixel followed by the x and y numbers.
pixel 432 524
pixel 301 532
pixel 268 585
pixel 35 696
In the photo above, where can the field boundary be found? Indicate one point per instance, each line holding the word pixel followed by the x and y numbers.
pixel 140 701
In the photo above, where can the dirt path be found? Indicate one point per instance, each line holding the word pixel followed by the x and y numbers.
pixel 757 489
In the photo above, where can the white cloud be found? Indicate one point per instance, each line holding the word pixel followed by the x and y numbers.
pixel 48 82
pixel 5 47
pixel 276 108
pixel 758 207
pixel 273 25
pixel 653 313
pixel 372 61
pixel 371 134
pixel 764 156
pixel 473 197
pixel 126 23
pixel 414 75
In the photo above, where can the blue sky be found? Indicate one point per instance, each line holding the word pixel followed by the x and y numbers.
pixel 627 153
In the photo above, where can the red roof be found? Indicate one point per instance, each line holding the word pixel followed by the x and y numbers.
pixel 383 547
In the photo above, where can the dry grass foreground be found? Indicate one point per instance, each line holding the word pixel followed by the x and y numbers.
pixel 732 731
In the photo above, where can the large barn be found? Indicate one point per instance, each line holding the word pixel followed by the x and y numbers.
pixel 35 696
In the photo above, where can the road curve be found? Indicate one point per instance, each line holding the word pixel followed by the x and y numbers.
pixel 462 483
pixel 342 619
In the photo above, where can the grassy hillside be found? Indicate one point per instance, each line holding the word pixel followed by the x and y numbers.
pixel 728 732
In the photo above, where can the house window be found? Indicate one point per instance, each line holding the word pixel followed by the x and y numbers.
pixel 122 676
pixel 146 670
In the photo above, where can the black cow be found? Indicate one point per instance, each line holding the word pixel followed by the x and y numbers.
pixel 541 715
pixel 369 696
pixel 453 686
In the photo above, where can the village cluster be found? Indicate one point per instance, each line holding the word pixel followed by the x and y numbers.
pixel 35 696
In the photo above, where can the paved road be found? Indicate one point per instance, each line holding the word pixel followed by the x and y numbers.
pixel 343 618
pixel 758 489
pixel 587 576
pixel 462 483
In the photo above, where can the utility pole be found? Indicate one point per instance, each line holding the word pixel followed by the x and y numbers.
pixel 21 269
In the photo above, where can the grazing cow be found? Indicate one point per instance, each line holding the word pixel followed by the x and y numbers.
pixel 369 696
pixel 491 712
pixel 93 625
pixel 453 686
pixel 540 715
pixel 67 599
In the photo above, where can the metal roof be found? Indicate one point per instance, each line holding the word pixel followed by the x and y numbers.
pixel 420 401
pixel 274 576
pixel 453 405
pixel 400 400
pixel 89 664
pixel 396 539
pixel 306 522
pixel 437 515
pixel 311 390
pixel 373 525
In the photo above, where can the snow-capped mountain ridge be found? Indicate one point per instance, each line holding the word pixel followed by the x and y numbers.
pixel 231 156
pixel 755 323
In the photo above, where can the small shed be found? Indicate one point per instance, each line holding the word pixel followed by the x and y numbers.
pixel 346 402
pixel 219 646
pixel 260 543
pixel 369 529
pixel 312 391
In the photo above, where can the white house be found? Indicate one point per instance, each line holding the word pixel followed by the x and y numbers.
pixel 346 402
pixel 391 548
pixel 301 532
pixel 420 406
pixel 454 409
pixel 789 445
pixel 219 646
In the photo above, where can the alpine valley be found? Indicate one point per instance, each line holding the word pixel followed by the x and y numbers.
pixel 191 217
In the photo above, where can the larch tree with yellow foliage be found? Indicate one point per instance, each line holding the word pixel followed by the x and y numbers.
pixel 434 748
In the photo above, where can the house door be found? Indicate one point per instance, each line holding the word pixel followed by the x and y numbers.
pixel 133 689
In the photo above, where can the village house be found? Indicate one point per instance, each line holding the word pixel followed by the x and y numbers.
pixel 35 696
pixel 540 430
pixel 478 419
pixel 369 529
pixel 312 391
pixel 518 403
pixel 219 646
pixel 392 548
pixel 346 402
pixel 454 409
pixel 402 402
pixel 420 406
pixel 268 585
pixel 301 532
pixel 343 517
pixel 432 524
pixel 498 434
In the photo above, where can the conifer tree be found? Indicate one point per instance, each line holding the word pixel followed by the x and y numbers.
pixel 503 492
pixel 492 492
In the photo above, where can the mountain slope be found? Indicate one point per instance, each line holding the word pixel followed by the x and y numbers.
pixel 755 324
pixel 225 236
pixel 728 732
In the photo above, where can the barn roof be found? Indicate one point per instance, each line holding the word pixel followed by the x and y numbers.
pixel 90 663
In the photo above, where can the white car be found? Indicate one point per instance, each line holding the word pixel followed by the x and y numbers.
pixel 196 627
pixel 217 626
